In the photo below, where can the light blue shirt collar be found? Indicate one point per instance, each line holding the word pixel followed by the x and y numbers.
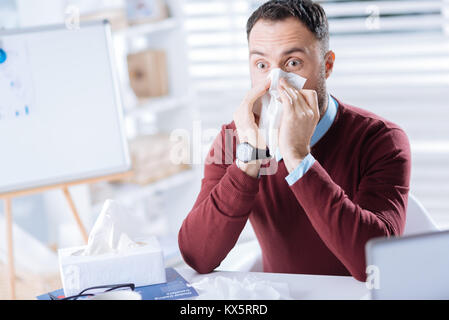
pixel 323 125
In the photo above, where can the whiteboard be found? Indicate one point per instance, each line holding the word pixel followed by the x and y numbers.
pixel 61 118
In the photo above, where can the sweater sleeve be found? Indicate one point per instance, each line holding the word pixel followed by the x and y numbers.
pixel 377 209
pixel 221 210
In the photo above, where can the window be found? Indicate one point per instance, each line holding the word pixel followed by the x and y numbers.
pixel 392 58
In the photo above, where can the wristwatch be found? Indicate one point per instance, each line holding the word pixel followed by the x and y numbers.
pixel 247 153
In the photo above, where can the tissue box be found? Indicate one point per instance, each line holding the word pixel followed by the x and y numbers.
pixel 142 265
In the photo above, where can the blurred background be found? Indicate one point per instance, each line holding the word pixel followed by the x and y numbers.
pixel 183 64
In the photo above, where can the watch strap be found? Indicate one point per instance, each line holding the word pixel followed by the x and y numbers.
pixel 259 154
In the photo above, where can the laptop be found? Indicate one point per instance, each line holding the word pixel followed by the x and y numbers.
pixel 409 267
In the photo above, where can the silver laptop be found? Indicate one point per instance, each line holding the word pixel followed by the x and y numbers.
pixel 409 267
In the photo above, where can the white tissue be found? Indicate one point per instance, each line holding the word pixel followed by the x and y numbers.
pixel 271 113
pixel 109 231
pixel 115 253
pixel 250 288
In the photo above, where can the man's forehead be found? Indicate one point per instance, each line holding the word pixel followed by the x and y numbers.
pixel 285 36
pixel 286 51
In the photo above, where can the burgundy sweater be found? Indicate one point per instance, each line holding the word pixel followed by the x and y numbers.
pixel 357 189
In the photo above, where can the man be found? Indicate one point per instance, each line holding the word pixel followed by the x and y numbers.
pixel 342 173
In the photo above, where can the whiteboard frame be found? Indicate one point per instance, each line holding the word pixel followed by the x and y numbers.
pixel 111 173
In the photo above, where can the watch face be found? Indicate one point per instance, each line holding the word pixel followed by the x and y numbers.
pixel 244 152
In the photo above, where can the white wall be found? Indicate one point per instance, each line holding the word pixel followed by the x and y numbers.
pixel 32 12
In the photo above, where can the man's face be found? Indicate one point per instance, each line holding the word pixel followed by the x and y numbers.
pixel 290 46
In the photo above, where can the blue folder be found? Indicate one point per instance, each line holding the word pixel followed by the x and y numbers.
pixel 176 287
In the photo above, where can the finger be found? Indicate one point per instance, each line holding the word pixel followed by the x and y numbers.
pixel 252 104
pixel 287 100
pixel 283 86
pixel 298 100
pixel 256 119
pixel 257 105
pixel 283 83
pixel 312 100
pixel 301 104
pixel 310 95
pixel 257 92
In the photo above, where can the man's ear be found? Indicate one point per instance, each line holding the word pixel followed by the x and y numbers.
pixel 329 60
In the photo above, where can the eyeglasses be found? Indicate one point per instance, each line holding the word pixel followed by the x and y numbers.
pixel 92 291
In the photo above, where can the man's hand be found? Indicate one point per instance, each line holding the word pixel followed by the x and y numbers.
pixel 247 126
pixel 299 119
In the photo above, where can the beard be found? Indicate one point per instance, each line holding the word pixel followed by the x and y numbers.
pixel 321 91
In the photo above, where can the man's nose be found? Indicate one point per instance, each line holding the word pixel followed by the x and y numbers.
pixel 278 66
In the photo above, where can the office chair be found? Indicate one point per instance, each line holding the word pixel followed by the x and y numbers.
pixel 418 219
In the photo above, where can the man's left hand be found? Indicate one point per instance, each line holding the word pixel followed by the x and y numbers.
pixel 299 119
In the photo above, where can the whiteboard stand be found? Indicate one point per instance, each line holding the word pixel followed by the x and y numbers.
pixel 69 199
pixel 7 197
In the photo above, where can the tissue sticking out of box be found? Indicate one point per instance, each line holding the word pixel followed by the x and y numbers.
pixel 109 231
pixel 113 254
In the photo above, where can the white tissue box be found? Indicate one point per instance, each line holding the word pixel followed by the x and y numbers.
pixel 142 265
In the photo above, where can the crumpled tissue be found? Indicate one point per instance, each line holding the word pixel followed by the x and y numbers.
pixel 112 255
pixel 250 288
pixel 271 111
pixel 108 233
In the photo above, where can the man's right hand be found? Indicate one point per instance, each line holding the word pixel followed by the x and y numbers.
pixel 247 127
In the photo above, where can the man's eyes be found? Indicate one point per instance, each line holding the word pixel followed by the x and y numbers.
pixel 261 65
pixel 293 63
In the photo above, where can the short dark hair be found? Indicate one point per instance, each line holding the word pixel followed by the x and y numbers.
pixel 311 14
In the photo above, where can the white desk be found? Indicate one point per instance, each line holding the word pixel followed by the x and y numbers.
pixel 302 286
